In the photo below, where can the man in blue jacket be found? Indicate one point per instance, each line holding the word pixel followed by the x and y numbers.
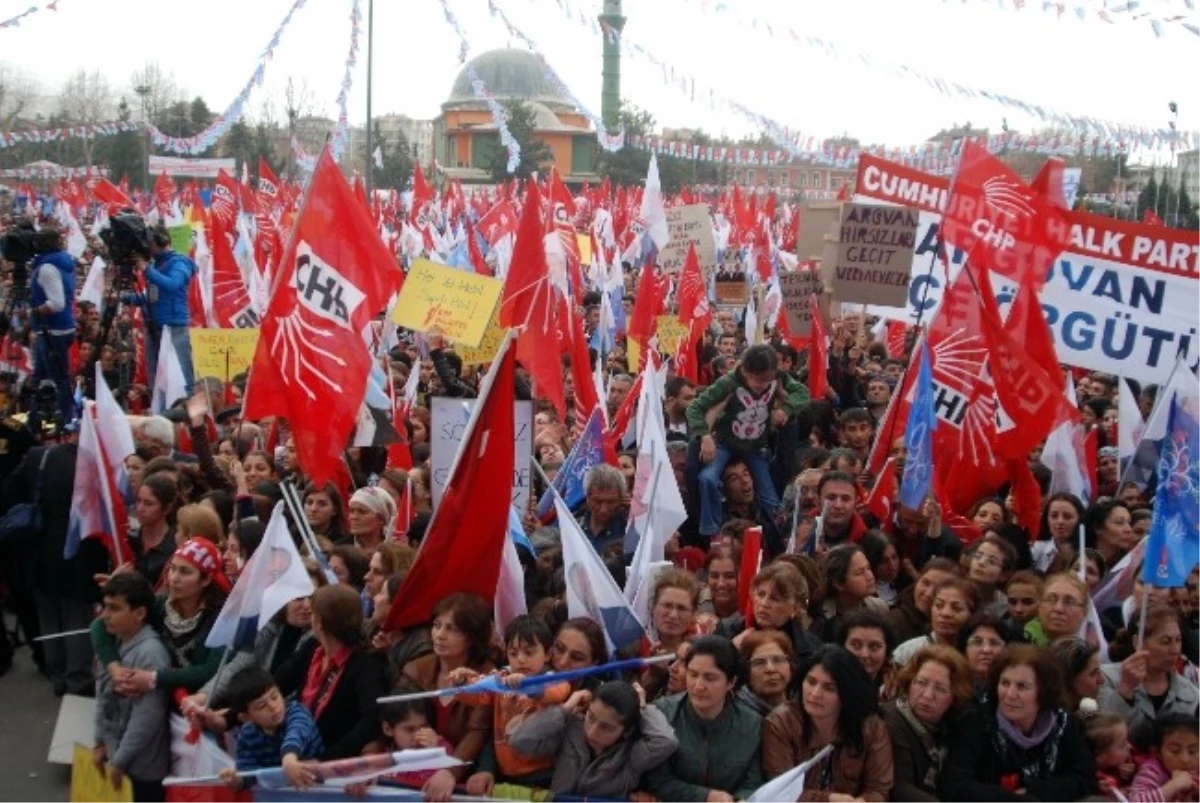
pixel 168 278
pixel 52 300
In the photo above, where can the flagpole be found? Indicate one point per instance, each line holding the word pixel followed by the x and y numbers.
pixel 370 184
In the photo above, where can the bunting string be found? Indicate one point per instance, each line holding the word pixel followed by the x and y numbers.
pixel 237 109
pixel 15 22
pixel 341 130
pixel 931 157
pixel 481 93
pixel 1151 138
pixel 1119 12
pixel 608 141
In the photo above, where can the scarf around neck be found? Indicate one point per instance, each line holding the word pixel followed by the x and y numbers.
pixel 930 740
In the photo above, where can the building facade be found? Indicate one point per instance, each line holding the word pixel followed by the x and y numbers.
pixel 466 141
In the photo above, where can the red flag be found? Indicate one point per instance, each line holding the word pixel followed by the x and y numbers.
pixel 477 261
pixel 882 500
pixel 896 332
pixel 230 299
pixel 528 302
pixel 360 192
pixel 620 422
pixel 1000 222
pixel 818 353
pixel 1049 182
pixel 500 220
pixel 752 558
pixel 1151 218
pixel 268 193
pixel 111 196
pixel 643 321
pixel 1027 496
pixel 164 191
pixel 422 196
pixel 311 364
pixel 1026 324
pixel 465 541
pixel 586 399
pixel 224 205
pixel 694 312
pixel 1029 400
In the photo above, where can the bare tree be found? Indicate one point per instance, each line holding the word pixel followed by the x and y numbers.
pixel 298 102
pixel 86 99
pixel 17 91
pixel 156 89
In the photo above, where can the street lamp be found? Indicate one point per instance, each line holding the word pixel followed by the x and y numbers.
pixel 143 92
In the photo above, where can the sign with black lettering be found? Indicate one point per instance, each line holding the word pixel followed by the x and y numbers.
pixel 448 425
pixel 797 287
pixel 874 254
pixel 689 225
pixel 323 291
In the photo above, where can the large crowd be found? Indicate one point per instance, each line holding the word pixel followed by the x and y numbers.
pixel 939 662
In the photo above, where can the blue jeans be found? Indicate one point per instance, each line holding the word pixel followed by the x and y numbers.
pixel 710 482
pixel 52 360
pixel 183 350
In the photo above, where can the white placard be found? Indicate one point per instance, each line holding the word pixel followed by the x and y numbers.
pixel 449 422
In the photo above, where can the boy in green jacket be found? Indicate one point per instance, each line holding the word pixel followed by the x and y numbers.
pixel 744 407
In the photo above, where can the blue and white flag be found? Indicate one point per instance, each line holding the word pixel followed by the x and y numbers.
pixel 587 453
pixel 591 590
pixel 1173 546
pixel 273 577
pixel 918 439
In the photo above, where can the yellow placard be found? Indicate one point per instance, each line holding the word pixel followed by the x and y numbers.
pixel 485 352
pixel 222 353
pixel 585 250
pixel 458 303
pixel 670 334
pixel 88 783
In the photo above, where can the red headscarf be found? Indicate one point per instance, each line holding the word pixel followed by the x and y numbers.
pixel 204 555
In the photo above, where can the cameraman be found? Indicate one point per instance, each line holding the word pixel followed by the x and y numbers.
pixel 167 283
pixel 52 300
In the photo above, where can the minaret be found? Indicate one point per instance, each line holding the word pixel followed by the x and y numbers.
pixel 610 94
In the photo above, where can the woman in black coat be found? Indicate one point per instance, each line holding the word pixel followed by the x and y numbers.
pixel 334 677
pixel 1023 745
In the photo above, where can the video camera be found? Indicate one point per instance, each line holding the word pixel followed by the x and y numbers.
pixel 126 238
pixel 21 245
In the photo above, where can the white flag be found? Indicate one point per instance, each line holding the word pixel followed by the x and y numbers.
pixel 273 577
pixel 789 785
pixel 378 157
pixel 169 384
pixel 93 286
pixel 653 212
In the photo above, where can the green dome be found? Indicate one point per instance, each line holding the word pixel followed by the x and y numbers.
pixel 509 74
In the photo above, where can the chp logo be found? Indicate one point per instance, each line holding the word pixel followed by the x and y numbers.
pixel 223 202
pixel 1011 204
pixel 322 290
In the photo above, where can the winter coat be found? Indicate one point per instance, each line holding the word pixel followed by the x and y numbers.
pixel 867 774
pixel 135 730
pixel 721 754
pixel 613 774
pixel 743 419
pixel 167 282
pixel 1182 698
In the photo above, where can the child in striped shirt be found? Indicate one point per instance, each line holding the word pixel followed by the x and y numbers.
pixel 274 732
pixel 1171 771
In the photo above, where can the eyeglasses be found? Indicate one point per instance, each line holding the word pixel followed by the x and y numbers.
pixel 768 660
pixel 928 685
pixel 1053 600
pixel 979 641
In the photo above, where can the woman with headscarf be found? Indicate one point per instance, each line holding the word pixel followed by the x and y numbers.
pixel 372 516
pixel 195 589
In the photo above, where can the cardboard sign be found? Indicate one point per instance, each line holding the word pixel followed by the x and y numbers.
pixel 458 303
pixel 689 225
pixel 816 221
pixel 222 353
pixel 796 288
pixel 448 424
pixel 874 256
pixel 485 352
pixel 181 238
pixel 671 334
pixel 585 250
pixel 88 783
pixel 729 285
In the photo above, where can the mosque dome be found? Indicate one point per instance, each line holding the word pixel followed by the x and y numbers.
pixel 509 74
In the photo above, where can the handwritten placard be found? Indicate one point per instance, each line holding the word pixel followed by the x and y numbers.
pixel 459 304
pixel 222 353
pixel 689 225
pixel 671 334
pixel 88 783
pixel 816 221
pixel 797 287
pixel 485 352
pixel 875 252
pixel 447 428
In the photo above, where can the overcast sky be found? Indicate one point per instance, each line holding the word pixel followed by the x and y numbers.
pixel 1120 72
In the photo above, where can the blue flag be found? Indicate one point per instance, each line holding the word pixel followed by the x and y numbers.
pixel 1173 548
pixel 516 531
pixel 587 452
pixel 918 438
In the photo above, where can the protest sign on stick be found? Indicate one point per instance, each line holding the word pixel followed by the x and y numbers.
pixel 874 255
pixel 222 353
pixel 458 303
pixel 689 225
